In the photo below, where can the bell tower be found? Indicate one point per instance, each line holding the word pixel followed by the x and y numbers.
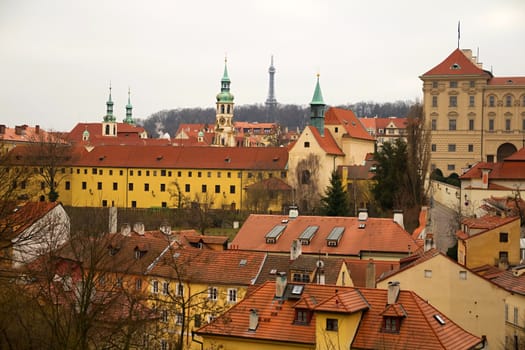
pixel 109 125
pixel 224 130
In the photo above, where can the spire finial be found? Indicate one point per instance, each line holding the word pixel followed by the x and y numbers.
pixel 129 95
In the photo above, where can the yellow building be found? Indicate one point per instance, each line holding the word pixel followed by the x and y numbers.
pixel 473 115
pixel 475 304
pixel 135 176
pixel 489 240
pixel 281 315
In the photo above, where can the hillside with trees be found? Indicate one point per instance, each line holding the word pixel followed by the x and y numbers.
pixel 287 115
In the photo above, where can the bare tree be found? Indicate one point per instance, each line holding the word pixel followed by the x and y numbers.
pixel 306 183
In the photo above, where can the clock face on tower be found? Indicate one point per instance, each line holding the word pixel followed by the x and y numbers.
pixel 221 121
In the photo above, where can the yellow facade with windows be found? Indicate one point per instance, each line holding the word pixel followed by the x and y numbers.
pixel 473 116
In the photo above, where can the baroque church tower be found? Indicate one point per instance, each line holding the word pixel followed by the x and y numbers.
pixel 317 109
pixel 109 125
pixel 224 130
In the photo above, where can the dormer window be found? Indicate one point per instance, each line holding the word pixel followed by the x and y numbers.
pixel 455 66
pixel 113 250
pixel 302 317
pixel 139 253
pixel 391 324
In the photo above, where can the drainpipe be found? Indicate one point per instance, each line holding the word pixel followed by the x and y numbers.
pixel 195 340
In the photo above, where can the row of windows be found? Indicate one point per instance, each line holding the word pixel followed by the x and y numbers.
pixel 515 319
pixel 213 294
pixel 162 187
pixel 462 274
pixel 491 99
pixel 452 147
pixel 164 172
pixel 452 125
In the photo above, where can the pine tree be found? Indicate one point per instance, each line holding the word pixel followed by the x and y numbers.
pixel 335 202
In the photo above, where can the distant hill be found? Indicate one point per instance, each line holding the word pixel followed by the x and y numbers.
pixel 287 115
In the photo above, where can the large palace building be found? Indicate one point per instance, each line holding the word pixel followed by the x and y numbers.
pixel 474 116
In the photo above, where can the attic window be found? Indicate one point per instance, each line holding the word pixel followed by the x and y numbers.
pixel 510 81
pixel 113 250
pixel 101 158
pixel 227 159
pixel 439 319
pixel 391 324
pixel 275 159
pixel 159 157
pixel 362 225
pixel 273 271
pixel 139 253
pixel 455 66
pixel 297 289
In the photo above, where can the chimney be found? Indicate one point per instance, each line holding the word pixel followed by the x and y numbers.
pixel 370 274
pixel 37 129
pixel 112 219
pixel 18 129
pixel 398 217
pixel 485 178
pixel 165 229
pixel 393 292
pixel 293 212
pixel 280 284
pixel 295 249
pixel 138 227
pixel 254 320
pixel 125 230
pixel 2 129
pixel 363 214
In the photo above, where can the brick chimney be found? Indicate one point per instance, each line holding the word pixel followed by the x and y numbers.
pixel 2 129
pixel 37 129
pixel 370 281
pixel 398 217
pixel 280 284
pixel 393 292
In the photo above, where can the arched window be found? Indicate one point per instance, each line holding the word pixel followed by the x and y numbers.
pixel 222 108
pixel 107 130
pixel 492 101
pixel 508 101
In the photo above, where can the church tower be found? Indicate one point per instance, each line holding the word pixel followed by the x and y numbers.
pixel 224 130
pixel 129 108
pixel 271 101
pixel 317 109
pixel 109 125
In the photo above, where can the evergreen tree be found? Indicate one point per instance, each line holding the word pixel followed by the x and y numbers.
pixel 335 202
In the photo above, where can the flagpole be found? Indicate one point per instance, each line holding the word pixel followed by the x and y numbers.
pixel 459 32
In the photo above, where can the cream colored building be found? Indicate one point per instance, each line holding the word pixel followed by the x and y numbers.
pixel 471 301
pixel 473 115
pixel 334 137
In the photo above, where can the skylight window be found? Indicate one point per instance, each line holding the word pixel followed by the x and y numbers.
pixel 243 262
pixel 297 289
pixel 439 319
pixel 308 234
pixel 274 234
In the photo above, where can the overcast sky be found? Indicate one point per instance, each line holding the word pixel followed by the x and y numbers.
pixel 57 57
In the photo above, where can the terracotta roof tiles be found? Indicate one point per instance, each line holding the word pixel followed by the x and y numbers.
pixel 349 121
pixel 375 235
pixel 457 63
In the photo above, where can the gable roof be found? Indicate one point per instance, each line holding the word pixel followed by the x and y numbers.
pixel 348 120
pixel 326 142
pixel 419 329
pixel 24 215
pixel 483 224
pixel 457 63
pixel 210 266
pixel 377 235
pixel 357 269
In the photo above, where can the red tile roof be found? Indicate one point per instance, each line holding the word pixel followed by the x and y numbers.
pixel 326 142
pixel 419 328
pixel 507 81
pixel 509 169
pixel 357 269
pixel 512 280
pixel 377 235
pixel 226 267
pixel 348 120
pixel 23 133
pixel 95 131
pixel 169 157
pixel 487 222
pixel 23 216
pixel 276 263
pixel 457 57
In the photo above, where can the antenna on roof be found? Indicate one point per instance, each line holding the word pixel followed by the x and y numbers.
pixel 459 32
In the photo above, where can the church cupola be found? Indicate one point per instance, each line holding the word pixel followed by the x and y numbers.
pixel 317 109
pixel 129 108
pixel 109 108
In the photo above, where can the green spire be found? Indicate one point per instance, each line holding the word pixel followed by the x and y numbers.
pixel 225 95
pixel 109 108
pixel 129 108
pixel 317 108
pixel 318 95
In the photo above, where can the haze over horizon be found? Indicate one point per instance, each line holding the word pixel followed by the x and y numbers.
pixel 58 57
